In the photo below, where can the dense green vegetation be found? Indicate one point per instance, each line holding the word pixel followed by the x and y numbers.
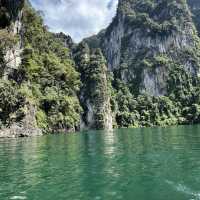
pixel 67 83
pixel 51 81
pixel 12 102
pixel 7 41
pixel 9 10
pixel 151 21
pixel 47 78
pixel 148 16
pixel 95 89
pixel 180 106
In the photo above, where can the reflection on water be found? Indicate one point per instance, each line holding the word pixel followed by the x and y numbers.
pixel 147 163
pixel 184 189
pixel 109 140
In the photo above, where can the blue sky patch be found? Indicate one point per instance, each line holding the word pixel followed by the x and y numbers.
pixel 78 18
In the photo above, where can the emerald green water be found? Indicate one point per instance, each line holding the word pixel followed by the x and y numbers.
pixel 128 164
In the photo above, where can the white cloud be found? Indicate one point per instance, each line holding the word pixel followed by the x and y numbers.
pixel 78 18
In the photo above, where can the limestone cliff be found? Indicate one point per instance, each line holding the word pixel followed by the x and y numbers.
pixel 9 11
pixel 11 35
pixel 95 92
pixel 144 37
pixel 152 48
pixel 65 39
pixel 194 6
pixel 27 127
pixel 13 54
pixel 143 70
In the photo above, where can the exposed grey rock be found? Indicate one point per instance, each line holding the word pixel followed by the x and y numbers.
pixel 13 55
pixel 65 39
pixel 154 83
pixel 194 6
pixel 124 43
pixel 26 128
pixel 94 95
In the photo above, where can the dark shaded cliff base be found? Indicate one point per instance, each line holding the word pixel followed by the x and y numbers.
pixel 17 131
pixel 26 128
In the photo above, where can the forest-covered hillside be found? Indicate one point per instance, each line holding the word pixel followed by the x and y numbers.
pixel 143 70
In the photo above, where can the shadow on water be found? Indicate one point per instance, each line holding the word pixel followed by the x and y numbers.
pixel 147 163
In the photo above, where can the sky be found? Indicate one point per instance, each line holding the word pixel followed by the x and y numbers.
pixel 77 18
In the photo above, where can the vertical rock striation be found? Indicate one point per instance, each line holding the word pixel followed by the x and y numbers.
pixel 144 33
pixel 12 14
pixel 12 47
pixel 95 92
pixel 194 6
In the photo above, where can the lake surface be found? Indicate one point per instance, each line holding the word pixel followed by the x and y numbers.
pixel 127 164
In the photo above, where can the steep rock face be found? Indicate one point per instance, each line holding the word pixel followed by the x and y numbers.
pixel 11 49
pixel 95 92
pixel 95 40
pixel 26 128
pixel 9 11
pixel 11 17
pixel 145 33
pixel 65 39
pixel 194 6
pixel 13 54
